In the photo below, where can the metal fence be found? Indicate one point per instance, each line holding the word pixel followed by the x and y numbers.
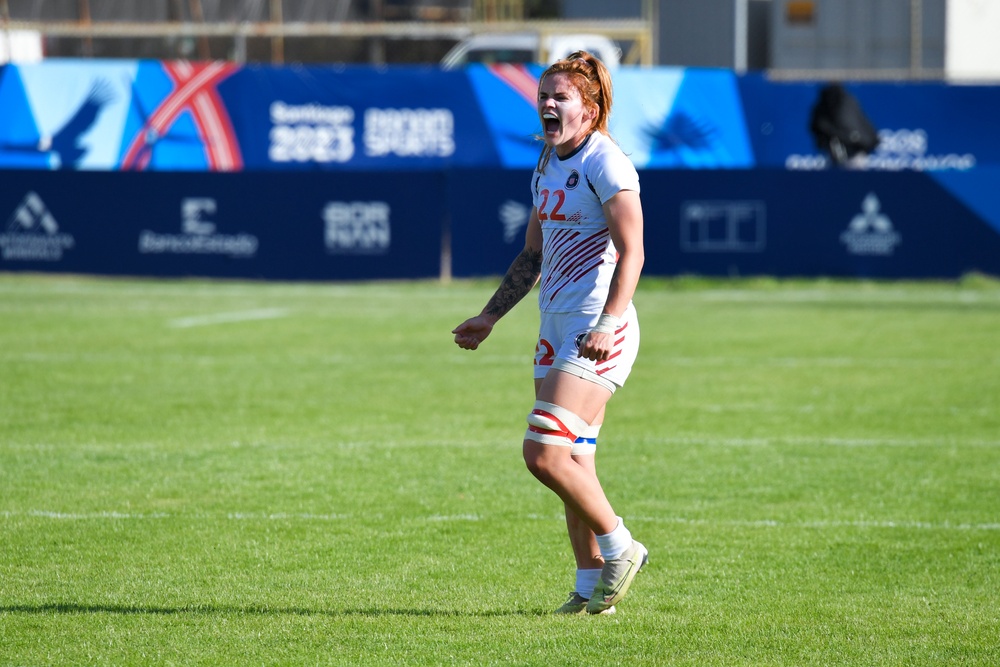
pixel 272 31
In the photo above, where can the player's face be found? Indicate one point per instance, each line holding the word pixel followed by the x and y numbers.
pixel 566 120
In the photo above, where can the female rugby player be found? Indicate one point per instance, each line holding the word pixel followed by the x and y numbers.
pixel 583 246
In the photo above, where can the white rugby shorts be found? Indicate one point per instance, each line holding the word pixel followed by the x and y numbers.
pixel 556 348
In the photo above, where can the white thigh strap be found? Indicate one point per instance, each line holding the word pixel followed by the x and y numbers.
pixel 551 424
pixel 586 442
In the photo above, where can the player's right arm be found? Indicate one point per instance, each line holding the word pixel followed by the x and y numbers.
pixel 521 277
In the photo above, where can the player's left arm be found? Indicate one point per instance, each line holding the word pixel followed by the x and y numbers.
pixel 623 213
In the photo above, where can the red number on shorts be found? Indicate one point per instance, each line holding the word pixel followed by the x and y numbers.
pixel 545 359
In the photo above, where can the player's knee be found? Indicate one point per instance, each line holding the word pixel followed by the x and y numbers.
pixel 545 463
pixel 536 463
pixel 550 424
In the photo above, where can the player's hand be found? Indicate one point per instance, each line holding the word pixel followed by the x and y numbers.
pixel 470 333
pixel 595 346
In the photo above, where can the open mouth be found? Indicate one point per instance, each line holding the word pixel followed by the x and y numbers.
pixel 551 122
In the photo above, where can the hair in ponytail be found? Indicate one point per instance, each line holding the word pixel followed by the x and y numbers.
pixel 592 78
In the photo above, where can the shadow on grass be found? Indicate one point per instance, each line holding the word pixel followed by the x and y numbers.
pixel 225 610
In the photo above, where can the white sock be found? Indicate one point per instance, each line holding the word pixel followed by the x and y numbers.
pixel 586 580
pixel 614 543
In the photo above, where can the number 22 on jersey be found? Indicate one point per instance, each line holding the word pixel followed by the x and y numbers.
pixel 559 197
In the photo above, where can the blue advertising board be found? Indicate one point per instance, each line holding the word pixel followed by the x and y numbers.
pixel 216 116
pixel 760 222
pixel 922 126
pixel 489 213
pixel 317 226
pixel 145 115
pixel 347 226
pixel 182 116
pixel 876 225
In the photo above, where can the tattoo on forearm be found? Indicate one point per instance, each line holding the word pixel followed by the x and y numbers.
pixel 521 277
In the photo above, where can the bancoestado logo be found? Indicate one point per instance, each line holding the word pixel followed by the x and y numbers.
pixel 357 227
pixel 871 232
pixel 32 233
pixel 325 134
pixel 198 235
pixel 897 150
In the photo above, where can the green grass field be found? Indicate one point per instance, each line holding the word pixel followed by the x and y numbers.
pixel 228 473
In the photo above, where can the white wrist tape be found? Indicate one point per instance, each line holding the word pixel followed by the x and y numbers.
pixel 606 323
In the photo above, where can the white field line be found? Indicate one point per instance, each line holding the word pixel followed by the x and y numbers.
pixel 145 516
pixel 390 443
pixel 820 441
pixel 820 525
pixel 264 517
pixel 227 318
pixel 209 289
pixel 811 362
pixel 854 295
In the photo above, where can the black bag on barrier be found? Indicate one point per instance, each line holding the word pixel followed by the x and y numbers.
pixel 839 125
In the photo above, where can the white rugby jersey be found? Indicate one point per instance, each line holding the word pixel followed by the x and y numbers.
pixel 578 255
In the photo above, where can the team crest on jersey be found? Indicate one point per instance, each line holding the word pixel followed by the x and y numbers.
pixel 573 180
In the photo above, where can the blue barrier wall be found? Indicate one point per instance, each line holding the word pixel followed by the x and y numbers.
pixel 346 226
pixel 760 222
pixel 314 226
pixel 332 173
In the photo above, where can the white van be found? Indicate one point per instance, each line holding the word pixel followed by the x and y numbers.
pixel 529 47
pixel 21 46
